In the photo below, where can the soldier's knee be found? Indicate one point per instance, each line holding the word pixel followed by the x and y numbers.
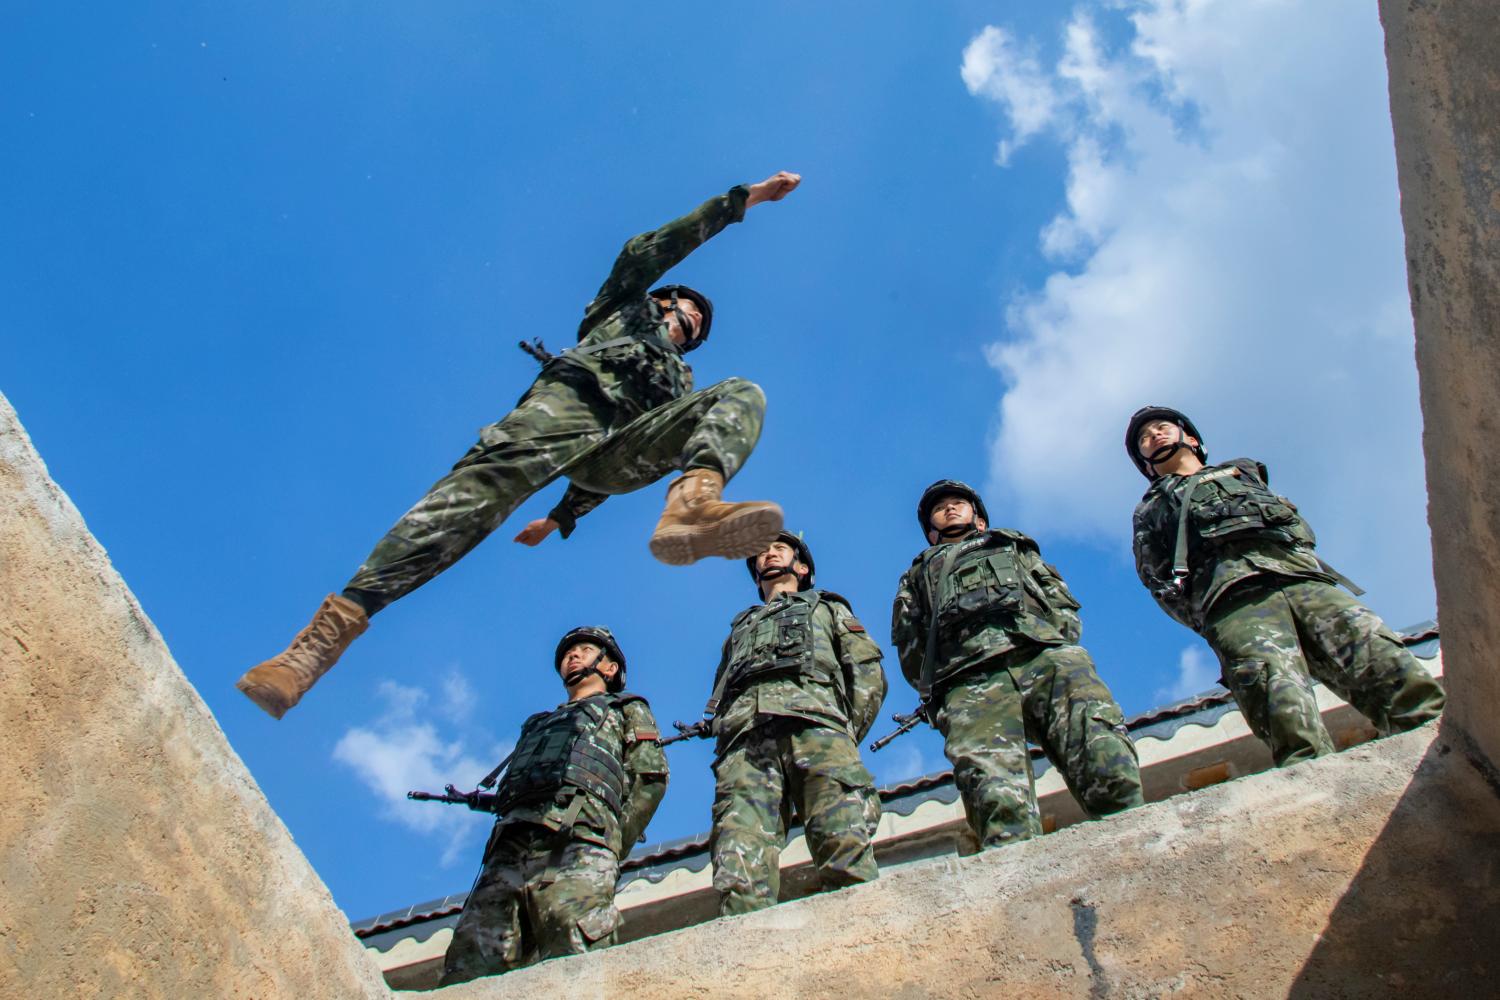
pixel 743 390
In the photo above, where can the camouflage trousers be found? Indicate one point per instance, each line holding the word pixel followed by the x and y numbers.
pixel 1273 637
pixel 540 894
pixel 1053 697
pixel 559 428
pixel 776 770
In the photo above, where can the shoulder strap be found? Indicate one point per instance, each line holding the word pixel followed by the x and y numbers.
pixel 1180 570
pixel 602 346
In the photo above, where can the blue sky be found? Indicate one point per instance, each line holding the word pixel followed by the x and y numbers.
pixel 265 270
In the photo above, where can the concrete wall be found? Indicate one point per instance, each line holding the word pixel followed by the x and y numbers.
pixel 1369 873
pixel 1444 64
pixel 137 856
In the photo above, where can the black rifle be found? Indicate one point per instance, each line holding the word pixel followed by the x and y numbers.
pixel 475 800
pixel 697 731
pixel 906 724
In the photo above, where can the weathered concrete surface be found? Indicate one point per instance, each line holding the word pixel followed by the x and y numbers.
pixel 1358 875
pixel 137 856
pixel 1444 63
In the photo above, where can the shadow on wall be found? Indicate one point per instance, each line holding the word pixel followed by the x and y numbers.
pixel 1422 915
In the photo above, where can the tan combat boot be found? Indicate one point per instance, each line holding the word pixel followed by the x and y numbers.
pixel 696 523
pixel 280 682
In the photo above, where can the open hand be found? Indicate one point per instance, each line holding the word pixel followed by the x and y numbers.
pixel 537 530
pixel 773 188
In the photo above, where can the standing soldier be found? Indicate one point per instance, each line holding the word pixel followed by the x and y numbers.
pixel 988 634
pixel 798 685
pixel 1233 561
pixel 613 414
pixel 580 787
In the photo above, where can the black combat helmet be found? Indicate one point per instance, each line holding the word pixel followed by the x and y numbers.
pixel 675 292
pixel 1144 416
pixel 601 637
pixel 803 555
pixel 947 488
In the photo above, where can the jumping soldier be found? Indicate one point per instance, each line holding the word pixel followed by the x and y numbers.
pixel 798 685
pixel 580 787
pixel 613 414
pixel 1233 561
pixel 988 634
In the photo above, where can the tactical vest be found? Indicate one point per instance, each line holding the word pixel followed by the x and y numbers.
pixel 975 579
pixel 1230 505
pixel 565 748
pixel 776 641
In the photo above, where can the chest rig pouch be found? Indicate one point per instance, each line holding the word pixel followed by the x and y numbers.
pixel 983 579
pixel 1230 505
pixel 565 748
pixel 780 641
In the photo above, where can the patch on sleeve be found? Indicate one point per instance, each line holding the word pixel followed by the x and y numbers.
pixel 644 733
pixel 853 624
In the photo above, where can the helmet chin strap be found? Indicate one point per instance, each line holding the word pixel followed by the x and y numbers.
pixel 592 667
pixel 1165 452
pixel 683 323
pixel 955 530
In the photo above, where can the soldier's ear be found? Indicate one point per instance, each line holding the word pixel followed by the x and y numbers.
pixel 608 668
pixel 981 523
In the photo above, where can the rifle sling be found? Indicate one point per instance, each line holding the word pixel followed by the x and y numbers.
pixel 1180 554
pixel 929 659
pixel 489 779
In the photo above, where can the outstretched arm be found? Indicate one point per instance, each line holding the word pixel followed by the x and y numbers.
pixel 575 503
pixel 645 258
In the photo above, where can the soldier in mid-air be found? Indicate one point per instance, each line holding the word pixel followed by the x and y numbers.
pixel 580 787
pixel 1233 561
pixel 613 414
pixel 988 634
pixel 798 685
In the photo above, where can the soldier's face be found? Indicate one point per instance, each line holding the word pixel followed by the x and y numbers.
pixel 780 556
pixel 577 659
pixel 948 512
pixel 1155 435
pixel 689 310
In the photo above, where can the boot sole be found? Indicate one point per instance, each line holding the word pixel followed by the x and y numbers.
pixel 267 698
pixel 738 536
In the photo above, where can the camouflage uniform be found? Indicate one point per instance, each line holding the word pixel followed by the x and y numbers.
pixel 612 415
pixel 1006 668
pixel 1269 609
pixel 547 885
pixel 800 683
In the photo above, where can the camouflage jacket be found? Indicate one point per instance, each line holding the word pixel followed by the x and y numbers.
pixel 1237 529
pixel 632 728
pixel 998 595
pixel 649 370
pixel 801 655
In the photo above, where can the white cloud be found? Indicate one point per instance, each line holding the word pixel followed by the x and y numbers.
pixel 1230 243
pixel 995 68
pixel 1197 672
pixel 399 751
